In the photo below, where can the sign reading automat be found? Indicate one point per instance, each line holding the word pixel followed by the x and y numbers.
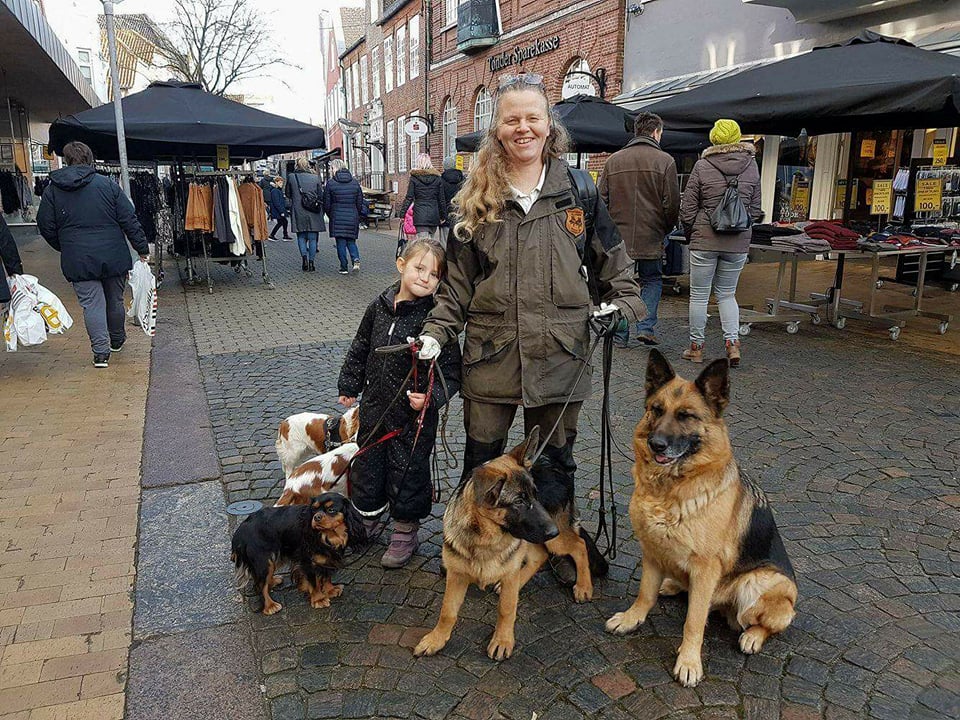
pixel 524 52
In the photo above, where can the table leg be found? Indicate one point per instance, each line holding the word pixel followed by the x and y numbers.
pixel 874 277
pixel 921 278
pixel 781 268
pixel 835 290
pixel 793 279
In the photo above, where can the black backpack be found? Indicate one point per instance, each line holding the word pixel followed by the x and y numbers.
pixel 586 195
pixel 309 199
pixel 731 216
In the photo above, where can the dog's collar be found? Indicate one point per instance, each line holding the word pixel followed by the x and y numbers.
pixel 331 433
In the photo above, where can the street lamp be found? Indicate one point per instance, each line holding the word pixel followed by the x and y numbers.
pixel 115 83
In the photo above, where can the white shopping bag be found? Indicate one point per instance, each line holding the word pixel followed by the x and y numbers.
pixel 54 314
pixel 9 332
pixel 27 321
pixel 143 309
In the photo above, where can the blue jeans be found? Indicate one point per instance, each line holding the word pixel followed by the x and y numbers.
pixel 649 275
pixel 721 271
pixel 308 244
pixel 343 245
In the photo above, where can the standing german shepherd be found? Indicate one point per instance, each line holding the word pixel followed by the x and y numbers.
pixel 703 527
pixel 495 531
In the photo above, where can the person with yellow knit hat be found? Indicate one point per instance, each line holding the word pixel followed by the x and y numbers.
pixel 716 259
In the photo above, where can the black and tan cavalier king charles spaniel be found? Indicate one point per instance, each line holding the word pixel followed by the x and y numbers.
pixel 312 538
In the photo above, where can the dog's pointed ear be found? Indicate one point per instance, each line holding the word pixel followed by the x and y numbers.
pixel 714 385
pixel 659 372
pixel 487 488
pixel 524 452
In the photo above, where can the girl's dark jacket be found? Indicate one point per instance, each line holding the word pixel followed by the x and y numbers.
pixel 343 203
pixel 10 257
pixel 278 203
pixel 425 191
pixel 87 218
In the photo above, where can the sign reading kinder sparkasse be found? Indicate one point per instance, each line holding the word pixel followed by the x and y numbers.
pixel 524 52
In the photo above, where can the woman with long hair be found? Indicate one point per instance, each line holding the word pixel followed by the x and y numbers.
pixel 520 236
pixel 305 222
pixel 425 191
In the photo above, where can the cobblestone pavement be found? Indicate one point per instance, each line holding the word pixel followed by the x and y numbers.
pixel 856 441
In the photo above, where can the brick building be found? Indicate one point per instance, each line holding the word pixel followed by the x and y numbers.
pixel 557 39
pixel 384 78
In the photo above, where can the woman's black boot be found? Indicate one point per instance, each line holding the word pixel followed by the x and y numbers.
pixel 311 267
pixel 305 266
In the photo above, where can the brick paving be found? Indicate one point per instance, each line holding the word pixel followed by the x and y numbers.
pixel 855 439
pixel 69 495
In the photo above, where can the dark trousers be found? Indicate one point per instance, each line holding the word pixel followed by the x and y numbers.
pixel 281 223
pixel 103 311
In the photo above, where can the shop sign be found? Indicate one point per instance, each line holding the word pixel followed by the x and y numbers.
pixel 868 149
pixel 415 128
pixel 940 152
pixel 880 201
pixel 840 199
pixel 800 196
pixel 223 157
pixel 459 162
pixel 929 195
pixel 524 52
pixel 578 83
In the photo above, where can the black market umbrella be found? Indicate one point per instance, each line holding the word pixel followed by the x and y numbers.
pixel 598 126
pixel 180 120
pixel 870 82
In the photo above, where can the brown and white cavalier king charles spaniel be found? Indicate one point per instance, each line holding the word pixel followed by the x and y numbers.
pixel 312 538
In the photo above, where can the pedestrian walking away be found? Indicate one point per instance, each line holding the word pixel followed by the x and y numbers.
pixel 396 473
pixel 452 180
pixel 277 205
pixel 425 191
pixel 306 211
pixel 514 283
pixel 88 219
pixel 344 204
pixel 717 258
pixel 639 185
pixel 10 259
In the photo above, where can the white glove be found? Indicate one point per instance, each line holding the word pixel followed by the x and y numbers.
pixel 606 309
pixel 429 347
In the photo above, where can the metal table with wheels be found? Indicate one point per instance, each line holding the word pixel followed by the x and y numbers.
pixel 780 310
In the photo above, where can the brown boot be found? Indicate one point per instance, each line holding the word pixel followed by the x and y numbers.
pixel 694 353
pixel 403 544
pixel 733 352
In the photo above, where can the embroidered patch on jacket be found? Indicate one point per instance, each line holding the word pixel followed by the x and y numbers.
pixel 575 221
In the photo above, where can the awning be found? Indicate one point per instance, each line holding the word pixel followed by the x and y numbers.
pixel 870 82
pixel 180 120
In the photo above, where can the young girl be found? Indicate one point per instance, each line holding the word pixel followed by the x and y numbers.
pixel 395 473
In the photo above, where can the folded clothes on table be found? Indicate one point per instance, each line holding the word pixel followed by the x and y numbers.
pixel 801 243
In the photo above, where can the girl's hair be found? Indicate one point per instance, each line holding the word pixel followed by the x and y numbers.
pixel 486 189
pixel 303 165
pixel 278 180
pixel 336 165
pixel 417 247
pixel 424 162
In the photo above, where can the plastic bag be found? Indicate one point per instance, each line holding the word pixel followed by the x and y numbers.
pixel 9 332
pixel 54 314
pixel 28 325
pixel 143 309
pixel 408 227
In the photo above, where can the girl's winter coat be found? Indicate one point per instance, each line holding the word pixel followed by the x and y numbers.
pixel 425 191
pixel 278 204
pixel 343 202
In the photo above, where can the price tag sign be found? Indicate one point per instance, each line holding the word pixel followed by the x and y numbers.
pixel 840 199
pixel 928 196
pixel 880 203
pixel 868 149
pixel 223 157
pixel 800 196
pixel 940 152
pixel 459 162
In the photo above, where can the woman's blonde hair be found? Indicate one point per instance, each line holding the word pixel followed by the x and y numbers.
pixel 337 166
pixel 423 162
pixel 303 165
pixel 485 191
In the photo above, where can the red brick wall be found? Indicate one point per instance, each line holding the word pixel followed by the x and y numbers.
pixel 594 33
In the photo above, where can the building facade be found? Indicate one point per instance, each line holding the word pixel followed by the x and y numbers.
pixel 476 42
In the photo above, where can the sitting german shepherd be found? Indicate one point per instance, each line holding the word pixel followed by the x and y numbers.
pixel 496 532
pixel 703 527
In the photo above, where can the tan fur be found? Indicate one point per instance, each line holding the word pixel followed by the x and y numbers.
pixel 689 518
pixel 316 431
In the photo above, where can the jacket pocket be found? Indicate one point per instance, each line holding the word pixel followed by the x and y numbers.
pixel 483 343
pixel 494 292
pixel 568 287
pixel 572 339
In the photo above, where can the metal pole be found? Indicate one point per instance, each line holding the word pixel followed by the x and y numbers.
pixel 117 105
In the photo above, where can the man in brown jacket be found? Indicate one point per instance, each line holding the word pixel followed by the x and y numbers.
pixel 639 185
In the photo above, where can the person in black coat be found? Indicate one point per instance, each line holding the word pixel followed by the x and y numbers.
pixel 89 220
pixel 344 204
pixel 397 472
pixel 277 205
pixel 10 257
pixel 425 191
pixel 452 180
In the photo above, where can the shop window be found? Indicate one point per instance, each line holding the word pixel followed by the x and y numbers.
pixel 391 148
pixel 571 159
pixel 482 110
pixel 794 179
pixel 388 63
pixel 874 156
pixel 449 129
pixel 401 145
pixel 401 45
pixel 414 28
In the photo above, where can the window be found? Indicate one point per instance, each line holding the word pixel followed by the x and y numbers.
pixel 450 8
pixel 401 145
pixel 414 146
pixel 391 148
pixel 401 37
pixel 347 87
pixel 414 26
pixel 388 63
pixel 83 62
pixel 482 110
pixel 355 79
pixel 364 81
pixel 374 10
pixel 375 67
pixel 449 129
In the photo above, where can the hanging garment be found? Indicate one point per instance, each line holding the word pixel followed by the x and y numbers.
pixel 222 230
pixel 9 195
pixel 199 215
pixel 255 210
pixel 234 218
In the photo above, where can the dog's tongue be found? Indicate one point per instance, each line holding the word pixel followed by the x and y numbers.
pixel 662 459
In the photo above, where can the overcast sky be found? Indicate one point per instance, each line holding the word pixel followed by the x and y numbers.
pixel 296 38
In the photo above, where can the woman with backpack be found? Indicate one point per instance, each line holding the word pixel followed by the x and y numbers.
pixel 719 248
pixel 344 204
pixel 306 210
pixel 425 191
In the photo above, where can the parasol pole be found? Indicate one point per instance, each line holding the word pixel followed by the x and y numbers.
pixel 115 83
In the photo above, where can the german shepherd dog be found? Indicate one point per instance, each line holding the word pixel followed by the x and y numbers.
pixel 496 532
pixel 703 526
